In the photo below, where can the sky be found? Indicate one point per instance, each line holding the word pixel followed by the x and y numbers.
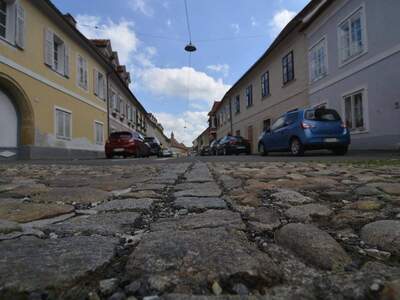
pixel 150 36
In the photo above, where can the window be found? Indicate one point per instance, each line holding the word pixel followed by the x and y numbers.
pixel 249 96
pixel 129 112
pixel 352 37
pixel 82 73
pixel 12 23
pixel 99 84
pixel 3 19
pixel 318 61
pixel 121 106
pixel 63 124
pixel 56 54
pixel 113 100
pixel 266 124
pixel 99 133
pixel 354 112
pixel 237 104
pixel 265 84
pixel 288 68
pixel 322 115
pixel 278 123
pixel 237 133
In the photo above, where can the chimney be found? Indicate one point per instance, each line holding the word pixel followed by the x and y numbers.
pixel 70 19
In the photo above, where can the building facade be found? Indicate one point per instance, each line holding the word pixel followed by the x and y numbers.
pixel 155 129
pixel 126 113
pixel 275 84
pixel 47 104
pixel 354 57
pixel 202 140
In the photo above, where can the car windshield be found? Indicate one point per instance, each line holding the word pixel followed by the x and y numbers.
pixel 322 115
pixel 238 138
pixel 120 135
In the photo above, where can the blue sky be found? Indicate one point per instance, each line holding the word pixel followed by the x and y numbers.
pixel 150 36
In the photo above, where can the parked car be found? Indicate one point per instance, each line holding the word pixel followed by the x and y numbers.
pixel 125 143
pixel 233 145
pixel 205 151
pixel 214 147
pixel 166 153
pixel 306 129
pixel 155 145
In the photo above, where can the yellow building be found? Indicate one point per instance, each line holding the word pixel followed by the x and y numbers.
pixel 50 105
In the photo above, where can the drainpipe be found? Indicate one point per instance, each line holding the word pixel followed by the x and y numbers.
pixel 108 102
pixel 230 115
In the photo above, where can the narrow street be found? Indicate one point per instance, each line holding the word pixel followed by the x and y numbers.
pixel 217 229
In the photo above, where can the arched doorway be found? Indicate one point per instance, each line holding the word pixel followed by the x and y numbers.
pixel 8 122
pixel 17 127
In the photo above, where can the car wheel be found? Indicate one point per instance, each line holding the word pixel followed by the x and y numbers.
pixel 340 151
pixel 262 149
pixel 296 147
pixel 110 156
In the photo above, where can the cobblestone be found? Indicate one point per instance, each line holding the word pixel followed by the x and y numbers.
pixel 217 230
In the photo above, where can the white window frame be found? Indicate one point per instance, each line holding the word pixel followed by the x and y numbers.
pixel 249 96
pixel 351 58
pixel 100 90
pixel 237 104
pixel 364 91
pixel 265 78
pixel 79 83
pixel 97 142
pixel 324 42
pixel 62 137
pixel 10 26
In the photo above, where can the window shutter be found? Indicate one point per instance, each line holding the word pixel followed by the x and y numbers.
pixel 95 82
pixel 48 47
pixel 85 71
pixel 20 27
pixel 66 60
pixel 104 87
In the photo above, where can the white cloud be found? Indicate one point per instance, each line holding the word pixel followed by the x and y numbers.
pixel 280 20
pixel 194 121
pixel 176 82
pixel 236 28
pixel 220 68
pixel 253 22
pixel 142 6
pixel 169 23
pixel 122 35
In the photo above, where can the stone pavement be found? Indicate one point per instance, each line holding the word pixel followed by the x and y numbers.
pixel 218 231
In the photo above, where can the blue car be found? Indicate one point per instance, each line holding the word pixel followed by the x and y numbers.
pixel 306 129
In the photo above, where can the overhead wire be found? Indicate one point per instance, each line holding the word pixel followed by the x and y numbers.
pixel 189 58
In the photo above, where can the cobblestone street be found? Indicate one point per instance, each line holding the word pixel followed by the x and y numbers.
pixel 218 230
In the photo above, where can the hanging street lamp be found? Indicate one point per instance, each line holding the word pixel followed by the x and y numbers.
pixel 190 48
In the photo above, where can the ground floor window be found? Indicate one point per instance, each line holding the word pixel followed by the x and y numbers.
pixel 266 124
pixel 99 133
pixel 63 124
pixel 354 105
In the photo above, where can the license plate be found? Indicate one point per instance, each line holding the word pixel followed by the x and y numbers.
pixel 331 140
pixel 119 150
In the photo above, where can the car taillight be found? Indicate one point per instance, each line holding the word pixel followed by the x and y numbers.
pixel 305 125
pixel 232 142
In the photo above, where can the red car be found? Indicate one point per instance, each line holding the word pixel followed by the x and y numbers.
pixel 125 143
